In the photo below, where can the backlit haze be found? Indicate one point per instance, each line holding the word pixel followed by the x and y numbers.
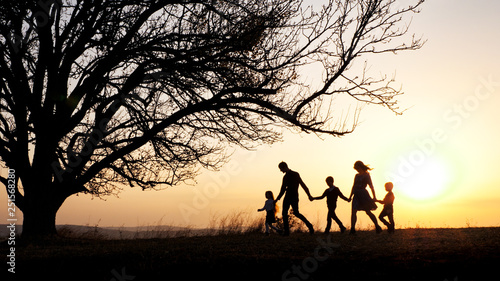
pixel 442 154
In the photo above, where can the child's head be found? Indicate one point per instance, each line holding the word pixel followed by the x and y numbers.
pixel 329 181
pixel 388 186
pixel 269 195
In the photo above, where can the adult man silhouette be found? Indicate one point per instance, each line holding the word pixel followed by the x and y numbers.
pixel 290 188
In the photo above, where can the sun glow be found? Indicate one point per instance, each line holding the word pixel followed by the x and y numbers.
pixel 429 181
pixel 426 180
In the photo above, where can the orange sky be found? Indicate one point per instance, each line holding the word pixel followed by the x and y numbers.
pixel 441 154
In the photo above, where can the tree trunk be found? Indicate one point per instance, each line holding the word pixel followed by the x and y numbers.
pixel 39 220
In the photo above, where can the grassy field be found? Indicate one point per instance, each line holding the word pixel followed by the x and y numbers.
pixel 409 254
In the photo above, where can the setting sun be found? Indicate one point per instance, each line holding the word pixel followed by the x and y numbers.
pixel 429 181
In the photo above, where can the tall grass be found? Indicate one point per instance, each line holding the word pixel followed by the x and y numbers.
pixel 238 222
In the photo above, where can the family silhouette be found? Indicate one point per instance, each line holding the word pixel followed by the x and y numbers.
pixel 359 196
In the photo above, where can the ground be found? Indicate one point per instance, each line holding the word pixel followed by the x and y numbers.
pixel 409 254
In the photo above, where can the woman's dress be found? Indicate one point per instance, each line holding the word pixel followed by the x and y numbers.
pixel 362 200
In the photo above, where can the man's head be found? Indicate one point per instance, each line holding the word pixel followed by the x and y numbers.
pixel 283 167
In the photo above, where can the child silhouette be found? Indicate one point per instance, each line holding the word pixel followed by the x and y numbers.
pixel 388 210
pixel 331 194
pixel 271 210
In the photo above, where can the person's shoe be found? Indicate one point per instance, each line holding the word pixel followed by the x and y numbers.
pixel 342 229
pixel 352 232
pixel 378 229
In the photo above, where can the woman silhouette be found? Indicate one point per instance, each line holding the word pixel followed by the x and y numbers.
pixel 362 200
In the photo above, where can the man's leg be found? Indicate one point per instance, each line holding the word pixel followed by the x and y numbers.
pixel 286 226
pixel 295 208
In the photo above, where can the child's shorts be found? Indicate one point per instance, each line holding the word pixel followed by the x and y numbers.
pixel 388 210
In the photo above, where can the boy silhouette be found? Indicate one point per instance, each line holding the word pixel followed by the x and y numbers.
pixel 332 193
pixel 388 210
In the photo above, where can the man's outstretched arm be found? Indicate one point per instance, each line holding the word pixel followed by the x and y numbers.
pixel 304 186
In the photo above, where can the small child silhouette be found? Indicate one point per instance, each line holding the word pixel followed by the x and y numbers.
pixel 388 210
pixel 271 209
pixel 331 194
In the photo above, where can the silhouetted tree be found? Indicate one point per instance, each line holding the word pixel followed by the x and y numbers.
pixel 100 94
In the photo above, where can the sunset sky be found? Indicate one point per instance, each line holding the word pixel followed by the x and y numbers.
pixel 442 154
